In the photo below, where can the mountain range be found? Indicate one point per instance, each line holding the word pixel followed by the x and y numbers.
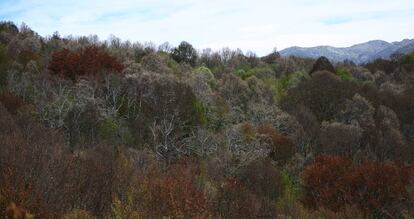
pixel 359 53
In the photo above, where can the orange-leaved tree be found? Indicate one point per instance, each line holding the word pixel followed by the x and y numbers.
pixel 88 61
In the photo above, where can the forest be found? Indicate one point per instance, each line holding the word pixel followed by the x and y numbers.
pixel 94 128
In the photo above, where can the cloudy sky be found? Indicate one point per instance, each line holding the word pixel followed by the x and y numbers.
pixel 251 25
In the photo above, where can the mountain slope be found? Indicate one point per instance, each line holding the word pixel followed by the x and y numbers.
pixel 359 53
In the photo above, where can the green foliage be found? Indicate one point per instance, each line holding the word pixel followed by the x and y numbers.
pixel 410 57
pixel 3 54
pixel 78 214
pixel 125 210
pixel 263 71
pixel 9 27
pixel 205 71
pixel 208 74
pixel 344 74
pixel 185 53
pixel 244 74
pixel 288 202
pixel 108 129
pixel 3 65
pixel 201 112
pixel 280 85
pixel 324 94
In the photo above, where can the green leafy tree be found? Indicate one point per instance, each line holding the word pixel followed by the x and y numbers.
pixel 186 53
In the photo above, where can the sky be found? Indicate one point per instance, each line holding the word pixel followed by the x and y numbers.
pixel 251 25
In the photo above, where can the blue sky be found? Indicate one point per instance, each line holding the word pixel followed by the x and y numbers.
pixel 251 25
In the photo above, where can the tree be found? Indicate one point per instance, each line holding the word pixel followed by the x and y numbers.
pixel 272 57
pixel 324 94
pixel 88 61
pixel 339 138
pixel 185 53
pixel 322 64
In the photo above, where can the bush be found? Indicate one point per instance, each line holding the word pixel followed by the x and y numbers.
pixel 12 102
pixel 108 129
pixel 344 74
pixel 377 189
pixel 282 148
pixel 78 214
pixel 174 193
pixel 3 63
pixel 243 74
pixel 262 178
pixel 236 201
pixel 14 212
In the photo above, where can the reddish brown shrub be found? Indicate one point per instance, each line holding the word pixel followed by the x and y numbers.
pixel 377 189
pixel 12 102
pixel 282 148
pixel 32 166
pixel 14 212
pixel 174 193
pixel 248 131
pixel 252 193
pixel 262 178
pixel 88 61
pixel 235 201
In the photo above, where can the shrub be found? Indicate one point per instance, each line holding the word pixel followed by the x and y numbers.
pixel 282 148
pixel 344 74
pixel 250 193
pixel 78 214
pixel 243 74
pixel 12 102
pixel 174 193
pixel 108 129
pixel 262 178
pixel 3 63
pixel 235 201
pixel 377 189
pixel 14 212
pixel 206 72
pixel 32 166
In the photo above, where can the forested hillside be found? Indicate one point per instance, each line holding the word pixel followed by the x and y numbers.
pixel 115 129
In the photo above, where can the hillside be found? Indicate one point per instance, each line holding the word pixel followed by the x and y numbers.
pixel 359 53
pixel 116 129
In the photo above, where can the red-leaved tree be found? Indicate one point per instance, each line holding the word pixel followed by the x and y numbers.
pixel 88 61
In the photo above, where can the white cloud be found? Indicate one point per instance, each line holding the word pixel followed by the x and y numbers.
pixel 255 25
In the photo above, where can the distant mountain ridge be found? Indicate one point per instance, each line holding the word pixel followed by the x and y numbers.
pixel 358 53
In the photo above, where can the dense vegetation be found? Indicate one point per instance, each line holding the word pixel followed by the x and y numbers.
pixel 112 129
